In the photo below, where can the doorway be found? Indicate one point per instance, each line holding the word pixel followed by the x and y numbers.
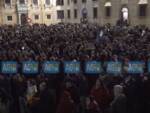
pixel 23 18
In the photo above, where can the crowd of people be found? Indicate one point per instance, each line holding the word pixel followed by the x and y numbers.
pixel 73 41
pixel 74 93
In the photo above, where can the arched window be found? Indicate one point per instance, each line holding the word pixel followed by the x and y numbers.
pixel 7 1
pixel 35 2
pixel 108 9
pixel 60 2
pixel 22 1
pixel 47 2
pixel 143 7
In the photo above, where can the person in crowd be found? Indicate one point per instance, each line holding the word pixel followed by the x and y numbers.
pixel 83 91
pixel 47 99
pixel 66 104
pixel 101 95
pixel 23 103
pixel 77 42
pixel 4 101
pixel 146 95
pixel 119 103
pixel 32 98
pixel 92 106
pixel 31 89
pixel 16 91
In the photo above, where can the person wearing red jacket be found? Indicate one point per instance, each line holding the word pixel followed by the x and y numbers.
pixel 101 95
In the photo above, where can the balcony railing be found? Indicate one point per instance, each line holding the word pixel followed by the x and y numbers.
pixel 22 7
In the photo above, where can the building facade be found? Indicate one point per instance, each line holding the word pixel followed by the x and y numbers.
pixel 135 12
pixel 0 12
pixel 8 12
pixel 27 11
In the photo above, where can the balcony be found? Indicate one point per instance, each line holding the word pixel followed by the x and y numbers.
pixel 22 7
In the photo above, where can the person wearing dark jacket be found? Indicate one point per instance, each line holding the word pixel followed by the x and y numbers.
pixel 47 100
pixel 119 104
pixel 66 102
pixel 92 106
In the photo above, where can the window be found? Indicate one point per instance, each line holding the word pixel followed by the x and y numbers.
pixel 68 13
pixel 68 2
pixel 9 18
pixel 35 2
pixel 36 17
pixel 84 12
pixel 60 14
pixel 47 2
pixel 83 1
pixel 48 16
pixel 108 11
pixel 75 13
pixel 60 2
pixel 75 1
pixel 22 1
pixel 95 15
pixel 142 10
pixel 7 2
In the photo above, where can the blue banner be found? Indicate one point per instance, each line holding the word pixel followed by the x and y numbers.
pixel 93 67
pixel 72 67
pixel 30 67
pixel 51 67
pixel 9 67
pixel 136 67
pixel 114 67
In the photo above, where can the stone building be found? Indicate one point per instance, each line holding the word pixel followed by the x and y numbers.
pixel 134 12
pixel 23 11
pixel 8 12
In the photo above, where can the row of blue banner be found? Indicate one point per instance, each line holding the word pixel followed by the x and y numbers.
pixel 91 67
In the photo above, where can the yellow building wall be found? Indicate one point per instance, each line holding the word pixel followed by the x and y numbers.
pixel 0 12
pixel 8 11
pixel 42 10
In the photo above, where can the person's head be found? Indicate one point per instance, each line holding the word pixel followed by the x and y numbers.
pixel 20 78
pixel 88 100
pixel 68 84
pixel 28 82
pixel 42 86
pixel 99 84
pixel 118 90
pixel 31 82
pixel 145 78
pixel 115 57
